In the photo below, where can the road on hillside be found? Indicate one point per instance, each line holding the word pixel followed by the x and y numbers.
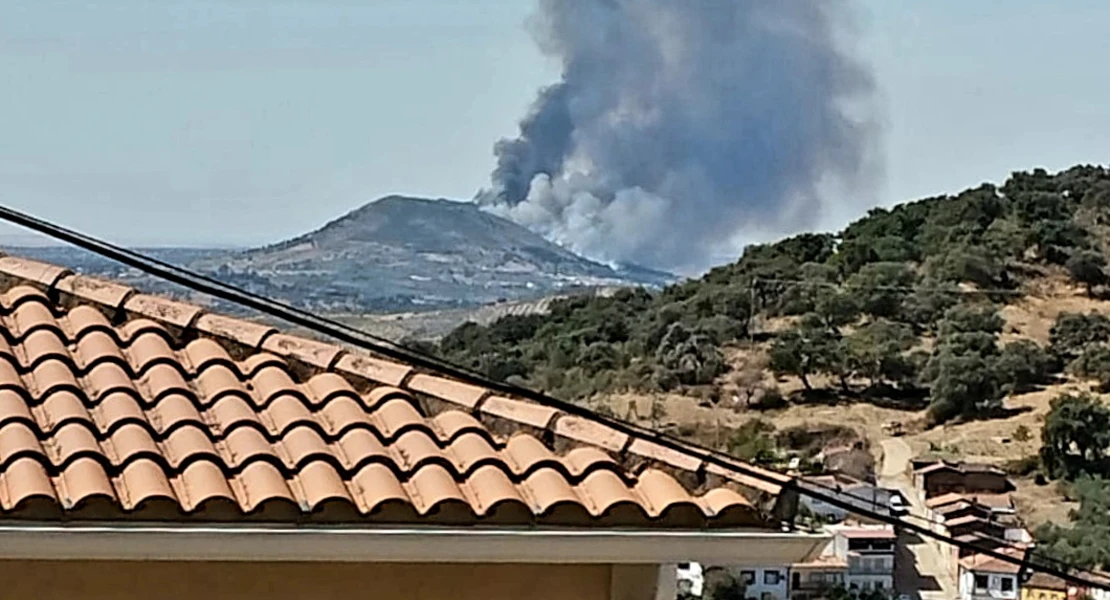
pixel 924 570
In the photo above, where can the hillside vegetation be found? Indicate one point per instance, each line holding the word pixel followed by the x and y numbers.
pixel 900 307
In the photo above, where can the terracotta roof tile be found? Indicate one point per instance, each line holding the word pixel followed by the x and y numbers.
pixel 655 452
pixel 524 413
pixel 42 274
pixel 163 309
pixel 590 432
pixel 98 291
pixel 317 354
pixel 990 564
pixel 159 412
pixel 244 332
pixel 455 392
pixel 374 369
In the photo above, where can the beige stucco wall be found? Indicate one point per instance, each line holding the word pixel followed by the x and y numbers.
pixel 38 580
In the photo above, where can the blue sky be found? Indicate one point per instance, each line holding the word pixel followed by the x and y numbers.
pixel 246 121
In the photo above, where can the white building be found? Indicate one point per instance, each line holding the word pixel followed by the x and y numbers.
pixel 690 579
pixel 986 578
pixel 870 558
pixel 859 557
pixel 765 582
pixel 813 580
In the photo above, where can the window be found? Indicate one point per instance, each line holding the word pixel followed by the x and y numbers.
pixel 1007 584
pixel 797 579
pixel 981 583
pixel 878 585
pixel 747 577
pixel 767 596
pixel 684 566
pixel 771 577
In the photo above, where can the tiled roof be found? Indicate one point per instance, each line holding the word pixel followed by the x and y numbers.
pixel 1043 581
pixel 968 520
pixel 965 468
pixel 943 499
pixel 869 533
pixel 989 564
pixel 116 405
pixel 822 562
pixel 994 501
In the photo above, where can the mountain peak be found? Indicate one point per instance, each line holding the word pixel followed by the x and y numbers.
pixel 434 251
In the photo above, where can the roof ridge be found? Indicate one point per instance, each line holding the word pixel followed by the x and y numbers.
pixel 501 413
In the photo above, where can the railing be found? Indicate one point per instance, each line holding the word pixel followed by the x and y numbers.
pixel 871 570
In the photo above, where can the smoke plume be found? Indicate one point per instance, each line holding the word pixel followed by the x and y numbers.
pixel 680 124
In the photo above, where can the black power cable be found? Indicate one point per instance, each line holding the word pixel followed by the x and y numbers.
pixel 217 289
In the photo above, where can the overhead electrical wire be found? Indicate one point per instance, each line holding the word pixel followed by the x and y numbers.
pixel 198 282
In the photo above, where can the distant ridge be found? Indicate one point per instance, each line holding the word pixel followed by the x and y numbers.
pixel 401 252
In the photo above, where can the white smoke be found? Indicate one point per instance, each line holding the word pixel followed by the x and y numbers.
pixel 679 124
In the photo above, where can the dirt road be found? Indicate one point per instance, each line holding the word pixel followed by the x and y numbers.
pixel 923 567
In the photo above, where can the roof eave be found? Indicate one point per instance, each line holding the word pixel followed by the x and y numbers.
pixel 458 545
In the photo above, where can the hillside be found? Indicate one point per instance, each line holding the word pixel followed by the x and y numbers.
pixel 394 255
pixel 966 323
pixel 402 253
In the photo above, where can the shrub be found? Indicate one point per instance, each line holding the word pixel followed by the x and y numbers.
pixel 1073 332
pixel 1093 363
pixel 1022 467
pixel 1088 268
pixel 688 356
pixel 769 398
pixel 882 287
pixel 964 385
pixel 754 442
pixel 1076 435
pixel 1023 365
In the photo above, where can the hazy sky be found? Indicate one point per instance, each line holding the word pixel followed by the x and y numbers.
pixel 246 121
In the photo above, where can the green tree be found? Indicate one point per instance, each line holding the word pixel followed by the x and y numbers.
pixel 804 350
pixel 1088 268
pixel 963 384
pixel 962 263
pixel 688 356
pixel 1093 363
pixel 962 372
pixel 1076 435
pixel 754 441
pixel 878 351
pixel 971 318
pixel 1084 543
pixel 969 328
pixel 926 305
pixel 1022 365
pixel 599 356
pixel 880 288
pixel 1073 332
pixel 721 584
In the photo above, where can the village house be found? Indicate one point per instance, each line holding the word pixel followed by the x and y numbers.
pixel 151 448
pixel 940 478
pixel 763 582
pixel 864 495
pixel 813 580
pixel 871 556
pixel 860 557
pixel 984 577
pixel 1042 586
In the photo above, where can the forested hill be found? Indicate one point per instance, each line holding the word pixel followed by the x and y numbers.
pixel 900 304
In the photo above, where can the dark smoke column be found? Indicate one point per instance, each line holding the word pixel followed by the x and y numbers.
pixel 680 124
